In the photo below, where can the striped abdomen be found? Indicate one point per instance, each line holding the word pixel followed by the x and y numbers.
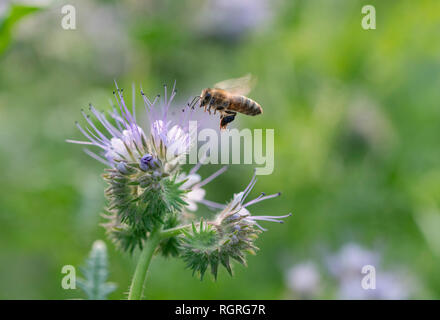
pixel 245 105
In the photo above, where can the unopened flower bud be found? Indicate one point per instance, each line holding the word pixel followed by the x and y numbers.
pixel 147 162
pixel 122 167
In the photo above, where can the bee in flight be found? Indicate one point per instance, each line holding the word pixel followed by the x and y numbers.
pixel 228 98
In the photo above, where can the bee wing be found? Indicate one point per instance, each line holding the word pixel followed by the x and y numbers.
pixel 239 86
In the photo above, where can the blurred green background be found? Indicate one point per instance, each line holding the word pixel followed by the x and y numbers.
pixel 356 116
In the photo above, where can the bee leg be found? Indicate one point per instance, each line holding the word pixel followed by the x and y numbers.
pixel 227 119
pixel 230 113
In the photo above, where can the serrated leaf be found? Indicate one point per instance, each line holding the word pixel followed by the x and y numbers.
pixel 95 273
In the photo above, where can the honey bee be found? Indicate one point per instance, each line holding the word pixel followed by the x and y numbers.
pixel 228 98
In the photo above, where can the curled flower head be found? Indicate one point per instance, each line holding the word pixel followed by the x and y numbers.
pixel 229 236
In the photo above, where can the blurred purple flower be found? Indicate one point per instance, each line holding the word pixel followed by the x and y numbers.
pixel 350 260
pixel 389 286
pixel 230 19
pixel 346 266
pixel 304 279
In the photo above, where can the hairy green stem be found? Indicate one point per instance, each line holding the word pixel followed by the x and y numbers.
pixel 137 284
pixel 140 274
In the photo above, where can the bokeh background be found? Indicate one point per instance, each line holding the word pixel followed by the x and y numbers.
pixel 356 116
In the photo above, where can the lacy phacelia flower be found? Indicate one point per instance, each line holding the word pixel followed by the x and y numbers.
pixel 229 236
pixel 143 191
pixel 126 141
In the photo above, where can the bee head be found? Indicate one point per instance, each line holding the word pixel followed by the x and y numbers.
pixel 205 97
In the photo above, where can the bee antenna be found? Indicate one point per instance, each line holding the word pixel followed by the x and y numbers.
pixel 194 101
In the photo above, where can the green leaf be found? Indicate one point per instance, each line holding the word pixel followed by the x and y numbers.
pixel 15 13
pixel 95 272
